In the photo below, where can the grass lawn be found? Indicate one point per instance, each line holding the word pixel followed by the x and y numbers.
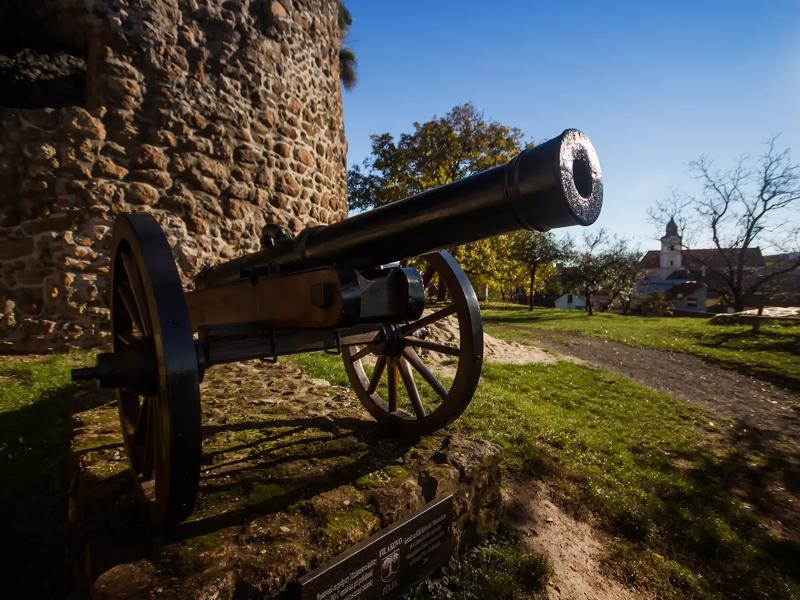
pixel 684 506
pixel 679 501
pixel 773 353
pixel 34 470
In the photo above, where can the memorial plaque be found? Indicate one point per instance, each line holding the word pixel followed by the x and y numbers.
pixel 388 563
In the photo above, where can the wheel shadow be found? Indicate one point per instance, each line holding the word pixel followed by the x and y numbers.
pixel 294 458
pixel 298 457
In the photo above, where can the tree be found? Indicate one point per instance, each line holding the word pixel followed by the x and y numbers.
pixel 491 262
pixel 438 151
pixel 588 269
pixel 622 276
pixel 536 250
pixel 739 210
pixel 347 57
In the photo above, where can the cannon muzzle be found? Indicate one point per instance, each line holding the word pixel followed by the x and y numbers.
pixel 555 184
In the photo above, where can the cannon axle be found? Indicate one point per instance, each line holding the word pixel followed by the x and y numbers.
pixel 133 368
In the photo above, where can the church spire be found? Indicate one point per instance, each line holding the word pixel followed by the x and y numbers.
pixel 672 228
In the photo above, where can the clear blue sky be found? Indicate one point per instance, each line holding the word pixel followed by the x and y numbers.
pixel 654 84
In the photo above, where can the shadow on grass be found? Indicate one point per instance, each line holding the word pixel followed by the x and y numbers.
pixel 771 341
pixel 34 459
pixel 257 469
pixel 345 450
pixel 753 343
pixel 729 516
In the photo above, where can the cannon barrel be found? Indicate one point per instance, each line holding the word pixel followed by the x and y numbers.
pixel 555 184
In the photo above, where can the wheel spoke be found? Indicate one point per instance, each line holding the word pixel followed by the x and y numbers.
pixel 435 346
pixel 135 283
pixel 431 318
pixel 411 388
pixel 392 381
pixel 427 276
pixel 142 422
pixel 126 295
pixel 413 358
pixel 129 403
pixel 362 353
pixel 380 365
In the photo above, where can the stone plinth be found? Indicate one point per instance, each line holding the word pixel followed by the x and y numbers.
pixel 294 473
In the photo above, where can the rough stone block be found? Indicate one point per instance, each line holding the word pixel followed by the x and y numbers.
pixel 147 156
pixel 140 193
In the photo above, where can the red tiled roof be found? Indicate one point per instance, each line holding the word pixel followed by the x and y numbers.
pixel 651 260
pixel 709 257
pixel 716 259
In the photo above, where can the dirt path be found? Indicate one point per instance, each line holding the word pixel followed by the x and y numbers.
pixel 748 402
pixel 575 548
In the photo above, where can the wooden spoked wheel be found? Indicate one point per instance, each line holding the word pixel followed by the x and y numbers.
pixel 159 406
pixel 417 397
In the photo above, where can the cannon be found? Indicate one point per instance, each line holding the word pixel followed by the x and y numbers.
pixel 370 287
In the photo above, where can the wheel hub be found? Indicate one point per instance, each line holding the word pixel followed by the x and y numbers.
pixel 393 343
pixel 133 368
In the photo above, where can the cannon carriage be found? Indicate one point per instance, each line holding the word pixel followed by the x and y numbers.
pixel 343 288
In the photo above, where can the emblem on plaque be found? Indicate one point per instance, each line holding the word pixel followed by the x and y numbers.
pixel 390 566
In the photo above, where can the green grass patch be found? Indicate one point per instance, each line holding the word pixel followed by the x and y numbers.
pixel 664 482
pixel 774 352
pixel 499 568
pixel 34 454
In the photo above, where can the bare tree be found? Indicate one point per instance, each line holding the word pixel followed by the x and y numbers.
pixel 622 275
pixel 740 210
pixel 589 268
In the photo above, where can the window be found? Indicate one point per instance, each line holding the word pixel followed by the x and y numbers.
pixel 670 263
pixel 41 65
pixel 691 302
pixel 569 298
pixel 672 248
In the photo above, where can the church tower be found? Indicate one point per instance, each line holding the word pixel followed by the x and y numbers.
pixel 671 256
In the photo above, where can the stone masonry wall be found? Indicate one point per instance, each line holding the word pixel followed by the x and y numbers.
pixel 216 117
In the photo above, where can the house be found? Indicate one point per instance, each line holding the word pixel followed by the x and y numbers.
pixel 699 263
pixel 690 279
pixel 570 301
pixel 688 296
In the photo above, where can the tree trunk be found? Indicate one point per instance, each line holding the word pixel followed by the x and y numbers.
pixel 532 287
pixel 588 302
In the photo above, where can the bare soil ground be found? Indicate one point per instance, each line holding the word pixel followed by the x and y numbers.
pixel 744 401
pixel 494 349
pixel 575 549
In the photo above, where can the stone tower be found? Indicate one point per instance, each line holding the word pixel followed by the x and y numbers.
pixel 671 254
pixel 215 116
